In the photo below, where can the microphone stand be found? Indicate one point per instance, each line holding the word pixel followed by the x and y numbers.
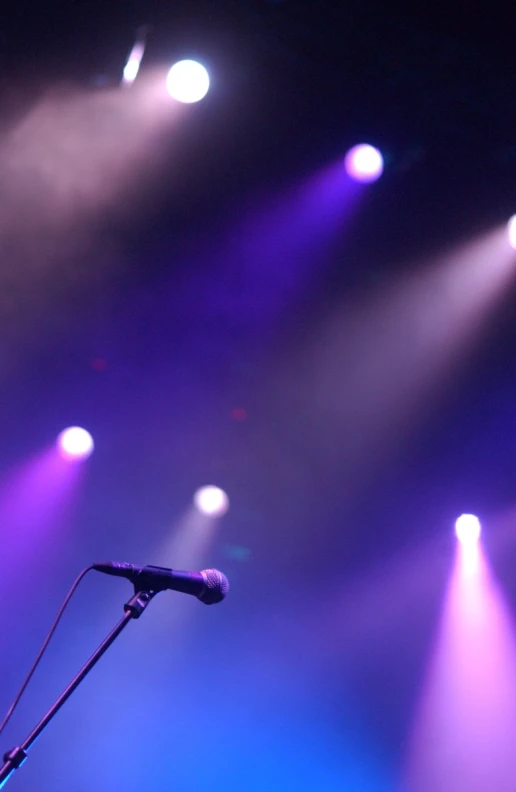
pixel 14 758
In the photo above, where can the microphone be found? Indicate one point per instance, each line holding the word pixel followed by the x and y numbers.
pixel 210 585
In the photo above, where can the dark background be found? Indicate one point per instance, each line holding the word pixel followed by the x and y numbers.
pixel 133 319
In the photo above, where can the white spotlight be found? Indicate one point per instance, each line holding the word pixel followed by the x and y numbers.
pixel 188 82
pixel 132 67
pixel 211 501
pixel 364 163
pixel 75 443
pixel 511 228
pixel 467 528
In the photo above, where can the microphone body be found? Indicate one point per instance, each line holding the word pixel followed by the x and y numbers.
pixel 210 585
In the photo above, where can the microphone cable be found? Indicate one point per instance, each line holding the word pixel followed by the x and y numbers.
pixel 44 646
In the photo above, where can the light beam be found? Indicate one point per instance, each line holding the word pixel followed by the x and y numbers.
pixel 132 67
pixel 463 732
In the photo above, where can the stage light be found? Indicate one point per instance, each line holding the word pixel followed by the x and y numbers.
pixel 211 501
pixel 467 528
pixel 188 81
pixel 132 67
pixel 364 163
pixel 512 231
pixel 75 443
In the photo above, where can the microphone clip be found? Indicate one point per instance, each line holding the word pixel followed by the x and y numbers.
pixel 138 602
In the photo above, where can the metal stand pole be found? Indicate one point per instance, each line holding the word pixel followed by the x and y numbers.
pixel 14 758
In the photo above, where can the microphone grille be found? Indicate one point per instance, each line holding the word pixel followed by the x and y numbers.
pixel 216 586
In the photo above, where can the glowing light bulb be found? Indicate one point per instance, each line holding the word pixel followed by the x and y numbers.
pixel 188 81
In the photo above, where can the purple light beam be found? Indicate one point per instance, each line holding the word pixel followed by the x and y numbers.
pixel 463 738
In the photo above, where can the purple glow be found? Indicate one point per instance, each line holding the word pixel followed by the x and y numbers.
pixel 364 163
pixel 467 716
pixel 75 443
pixel 211 501
pixel 467 528
pixel 512 231
pixel 36 502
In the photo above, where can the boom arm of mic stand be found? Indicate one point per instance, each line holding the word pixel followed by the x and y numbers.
pixel 14 758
